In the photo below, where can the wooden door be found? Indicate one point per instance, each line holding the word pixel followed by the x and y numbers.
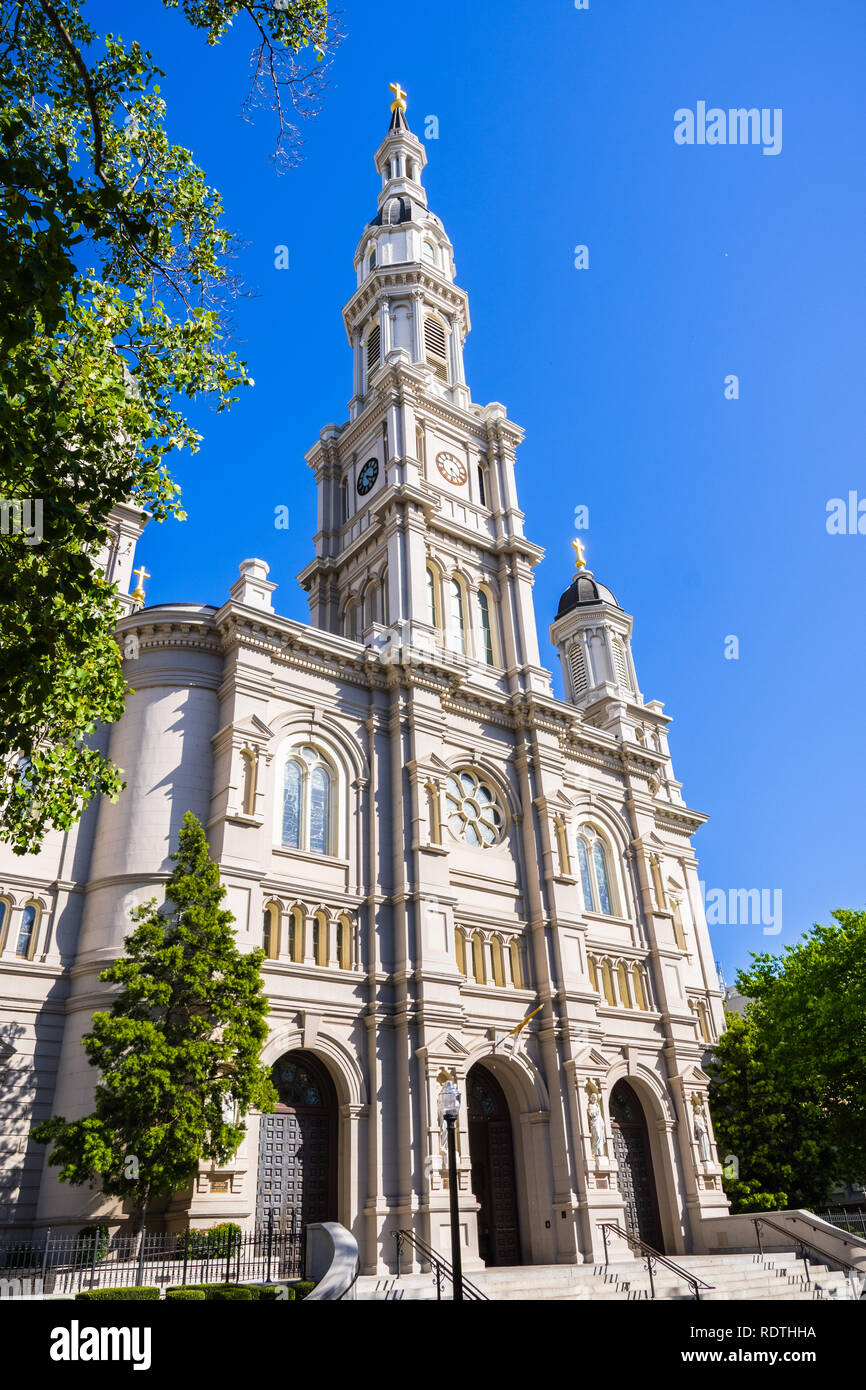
pixel 297 1147
pixel 491 1152
pixel 634 1160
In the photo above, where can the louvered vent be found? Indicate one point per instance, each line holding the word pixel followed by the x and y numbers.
pixel 578 672
pixel 434 342
pixel 620 664
pixel 373 348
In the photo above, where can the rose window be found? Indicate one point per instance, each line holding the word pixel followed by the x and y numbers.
pixel 472 810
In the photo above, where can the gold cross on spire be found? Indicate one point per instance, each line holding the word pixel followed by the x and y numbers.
pixel 399 102
pixel 138 592
pixel 580 562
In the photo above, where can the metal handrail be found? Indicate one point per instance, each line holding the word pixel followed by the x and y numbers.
pixel 441 1267
pixel 759 1221
pixel 653 1257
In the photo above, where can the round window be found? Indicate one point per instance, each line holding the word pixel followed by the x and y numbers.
pixel 473 810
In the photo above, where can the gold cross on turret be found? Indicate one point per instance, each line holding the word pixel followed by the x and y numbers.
pixel 580 562
pixel 399 102
pixel 138 592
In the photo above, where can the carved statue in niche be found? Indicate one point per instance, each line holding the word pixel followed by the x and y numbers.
pixel 598 1138
pixel 702 1133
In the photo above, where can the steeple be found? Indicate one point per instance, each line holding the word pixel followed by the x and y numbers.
pixel 420 541
pixel 407 241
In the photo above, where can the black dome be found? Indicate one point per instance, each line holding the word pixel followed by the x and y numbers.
pixel 584 589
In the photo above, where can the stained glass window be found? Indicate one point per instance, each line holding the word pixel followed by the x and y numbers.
pixel 601 879
pixel 25 934
pixel 319 798
pixel 292 806
pixel 473 812
pixel 297 1086
pixel 585 877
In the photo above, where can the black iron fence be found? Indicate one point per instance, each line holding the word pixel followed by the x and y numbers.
pixel 58 1263
pixel 851 1219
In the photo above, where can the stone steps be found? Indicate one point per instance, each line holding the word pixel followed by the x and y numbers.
pixel 736 1276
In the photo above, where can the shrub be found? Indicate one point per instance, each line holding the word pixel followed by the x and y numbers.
pixel 200 1244
pixel 87 1238
pixel 231 1293
pixel 269 1293
pixel 304 1287
pixel 188 1295
pixel 140 1294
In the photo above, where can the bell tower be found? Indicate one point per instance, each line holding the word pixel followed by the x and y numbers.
pixel 420 540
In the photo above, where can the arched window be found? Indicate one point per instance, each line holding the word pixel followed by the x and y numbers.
pixel 485 630
pixel 320 797
pixel 478 969
pixel 577 667
pixel 344 500
pixel 344 943
pixel 374 342
pixel 371 260
pixel 593 973
pixel 371 603
pixel 458 631
pixel 460 950
pixel 498 961
pixel 386 606
pixel 350 621
pixel 434 611
pixel 292 780
pixel 601 879
pixel 5 910
pixel 436 346
pixel 595 874
pixel 296 935
pixel 429 252
pixel 27 932
pixel 482 485
pixel 308 794
pixel 271 931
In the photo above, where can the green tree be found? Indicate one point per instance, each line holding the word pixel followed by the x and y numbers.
pixel 180 1044
pixel 789 1080
pixel 114 285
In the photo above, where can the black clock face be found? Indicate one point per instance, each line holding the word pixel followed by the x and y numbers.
pixel 367 476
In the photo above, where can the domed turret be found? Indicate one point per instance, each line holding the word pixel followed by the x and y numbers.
pixel 593 637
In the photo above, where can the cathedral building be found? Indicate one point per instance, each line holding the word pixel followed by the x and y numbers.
pixel 430 847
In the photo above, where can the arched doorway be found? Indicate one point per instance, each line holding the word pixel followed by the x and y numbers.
pixel 297 1146
pixel 631 1149
pixel 491 1151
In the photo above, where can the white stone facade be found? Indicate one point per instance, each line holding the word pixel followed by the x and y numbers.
pixel 418 918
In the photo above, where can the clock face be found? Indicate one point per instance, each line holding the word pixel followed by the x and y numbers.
pixel 451 468
pixel 367 476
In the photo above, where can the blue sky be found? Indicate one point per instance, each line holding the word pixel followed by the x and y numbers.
pixel 707 516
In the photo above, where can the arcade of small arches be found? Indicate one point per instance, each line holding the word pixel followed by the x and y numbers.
pixel 23 934
pixel 324 937
pixel 621 983
pixel 490 957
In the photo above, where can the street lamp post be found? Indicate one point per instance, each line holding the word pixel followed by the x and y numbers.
pixel 449 1109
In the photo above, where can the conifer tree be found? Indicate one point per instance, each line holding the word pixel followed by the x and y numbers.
pixel 178 1051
